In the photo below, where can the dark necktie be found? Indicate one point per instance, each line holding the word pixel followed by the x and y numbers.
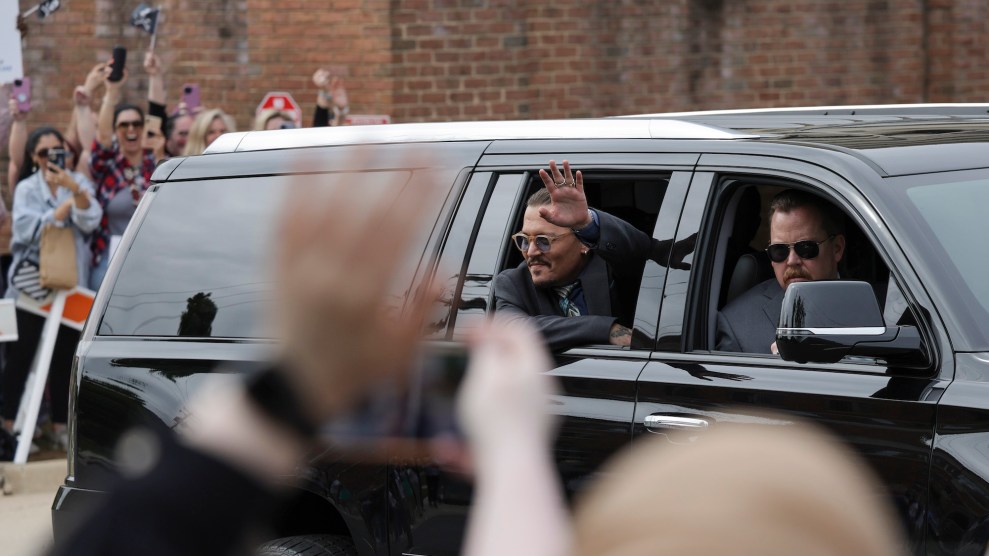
pixel 567 306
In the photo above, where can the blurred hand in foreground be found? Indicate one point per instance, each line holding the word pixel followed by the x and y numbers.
pixel 506 377
pixel 338 252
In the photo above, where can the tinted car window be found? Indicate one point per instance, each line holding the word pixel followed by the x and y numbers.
pixel 955 213
pixel 942 221
pixel 452 260
pixel 199 266
pixel 486 257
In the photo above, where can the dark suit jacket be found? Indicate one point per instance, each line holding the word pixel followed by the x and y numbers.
pixel 622 249
pixel 748 324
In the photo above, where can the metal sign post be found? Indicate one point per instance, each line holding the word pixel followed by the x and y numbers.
pixel 39 377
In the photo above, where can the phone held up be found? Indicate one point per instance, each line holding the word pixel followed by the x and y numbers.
pixel 21 92
pixel 56 157
pixel 190 96
pixel 119 61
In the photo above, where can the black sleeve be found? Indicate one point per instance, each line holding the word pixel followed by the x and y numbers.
pixel 561 333
pixel 321 117
pixel 189 503
pixel 155 109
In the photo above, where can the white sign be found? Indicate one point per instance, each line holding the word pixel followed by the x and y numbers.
pixel 8 321
pixel 76 304
pixel 367 119
pixel 11 64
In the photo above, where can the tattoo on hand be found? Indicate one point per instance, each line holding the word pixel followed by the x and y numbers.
pixel 621 331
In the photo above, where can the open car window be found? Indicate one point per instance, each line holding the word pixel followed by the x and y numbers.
pixel 740 263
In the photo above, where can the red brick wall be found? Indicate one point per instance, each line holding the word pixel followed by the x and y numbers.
pixel 429 60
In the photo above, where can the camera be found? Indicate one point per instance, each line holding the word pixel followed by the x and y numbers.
pixel 56 157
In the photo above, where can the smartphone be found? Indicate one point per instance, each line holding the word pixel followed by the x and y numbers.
pixel 21 92
pixel 190 96
pixel 119 61
pixel 56 156
pixel 152 124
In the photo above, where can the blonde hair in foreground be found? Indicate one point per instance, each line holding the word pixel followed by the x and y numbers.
pixel 772 490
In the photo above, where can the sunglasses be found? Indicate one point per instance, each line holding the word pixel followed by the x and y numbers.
pixel 543 242
pixel 125 125
pixel 806 249
pixel 43 153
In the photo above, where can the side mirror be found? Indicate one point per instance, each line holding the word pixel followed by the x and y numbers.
pixel 823 321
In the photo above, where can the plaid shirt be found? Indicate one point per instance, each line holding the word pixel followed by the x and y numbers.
pixel 109 167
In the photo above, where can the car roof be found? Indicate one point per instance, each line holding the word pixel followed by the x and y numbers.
pixel 899 139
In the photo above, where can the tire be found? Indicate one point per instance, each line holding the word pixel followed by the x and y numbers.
pixel 308 545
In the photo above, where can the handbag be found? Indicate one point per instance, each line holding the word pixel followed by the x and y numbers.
pixel 26 279
pixel 58 258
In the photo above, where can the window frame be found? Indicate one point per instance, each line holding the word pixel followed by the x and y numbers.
pixel 701 305
pixel 670 207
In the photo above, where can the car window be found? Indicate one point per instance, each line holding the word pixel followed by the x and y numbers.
pixel 635 197
pixel 451 261
pixel 199 264
pixel 485 260
pixel 938 219
pixel 741 267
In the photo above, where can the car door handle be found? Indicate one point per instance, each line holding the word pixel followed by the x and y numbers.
pixel 663 423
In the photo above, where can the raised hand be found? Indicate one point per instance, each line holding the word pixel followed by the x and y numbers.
pixel 338 253
pixel 152 63
pixel 338 92
pixel 506 377
pixel 15 111
pixel 321 78
pixel 93 80
pixel 566 189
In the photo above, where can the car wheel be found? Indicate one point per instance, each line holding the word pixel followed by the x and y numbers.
pixel 309 545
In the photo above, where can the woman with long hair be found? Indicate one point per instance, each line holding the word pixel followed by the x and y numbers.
pixel 207 126
pixel 121 168
pixel 46 194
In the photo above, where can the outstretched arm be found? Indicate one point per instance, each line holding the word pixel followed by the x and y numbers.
pixel 111 96
pixel 18 141
pixel 156 78
pixel 560 332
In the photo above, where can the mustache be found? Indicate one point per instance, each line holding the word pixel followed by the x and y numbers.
pixel 537 259
pixel 794 272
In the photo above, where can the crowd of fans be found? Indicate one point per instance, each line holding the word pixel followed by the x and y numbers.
pixel 110 153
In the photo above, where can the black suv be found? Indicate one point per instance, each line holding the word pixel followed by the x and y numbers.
pixel 904 381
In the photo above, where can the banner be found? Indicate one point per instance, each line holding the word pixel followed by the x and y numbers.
pixel 48 7
pixel 11 65
pixel 145 18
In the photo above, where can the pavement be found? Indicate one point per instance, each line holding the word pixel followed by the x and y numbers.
pixel 25 504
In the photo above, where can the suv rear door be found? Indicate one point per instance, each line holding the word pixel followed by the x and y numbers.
pixel 597 403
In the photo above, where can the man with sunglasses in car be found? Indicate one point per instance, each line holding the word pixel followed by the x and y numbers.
pixel 573 255
pixel 806 243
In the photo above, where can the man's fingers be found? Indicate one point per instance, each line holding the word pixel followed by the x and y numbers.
pixel 579 181
pixel 547 180
pixel 567 174
pixel 555 171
